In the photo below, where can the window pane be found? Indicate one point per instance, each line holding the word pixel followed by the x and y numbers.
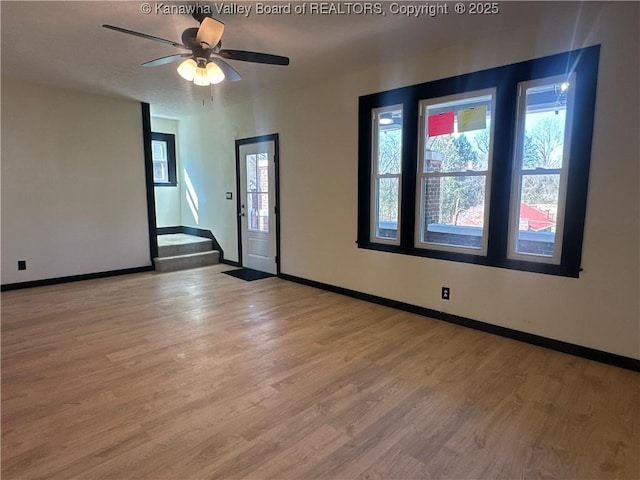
pixel 160 162
pixel 386 173
pixel 544 126
pixel 258 192
pixel 160 173
pixel 159 151
pixel 389 142
pixel 458 135
pixel 163 154
pixel 453 210
pixel 252 182
pixel 258 212
pixel 263 172
pixel 387 190
pixel 538 214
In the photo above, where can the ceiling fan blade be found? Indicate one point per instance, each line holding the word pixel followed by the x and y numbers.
pixel 144 35
pixel 164 60
pixel 210 31
pixel 255 57
pixel 230 73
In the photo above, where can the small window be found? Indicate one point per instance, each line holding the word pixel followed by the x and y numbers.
pixel 453 181
pixel 387 174
pixel 163 150
pixel 541 167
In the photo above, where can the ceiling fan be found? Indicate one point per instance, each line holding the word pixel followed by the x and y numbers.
pixel 205 63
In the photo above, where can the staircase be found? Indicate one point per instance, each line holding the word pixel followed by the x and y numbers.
pixel 179 251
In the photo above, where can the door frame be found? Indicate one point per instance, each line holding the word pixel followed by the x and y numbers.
pixel 273 137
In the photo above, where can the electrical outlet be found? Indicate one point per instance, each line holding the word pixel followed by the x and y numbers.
pixel 22 264
pixel 446 294
pixel 229 195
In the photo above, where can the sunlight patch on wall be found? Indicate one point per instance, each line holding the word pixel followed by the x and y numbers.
pixel 191 196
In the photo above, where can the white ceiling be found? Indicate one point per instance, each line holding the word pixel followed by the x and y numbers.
pixel 63 43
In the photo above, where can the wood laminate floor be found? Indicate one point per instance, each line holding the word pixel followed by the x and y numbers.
pixel 196 374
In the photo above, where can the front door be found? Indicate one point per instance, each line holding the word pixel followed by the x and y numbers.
pixel 257 202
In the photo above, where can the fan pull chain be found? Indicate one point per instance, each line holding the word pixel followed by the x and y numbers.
pixel 210 98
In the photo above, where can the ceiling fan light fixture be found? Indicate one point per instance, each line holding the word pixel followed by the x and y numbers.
pixel 215 73
pixel 201 78
pixel 205 47
pixel 187 69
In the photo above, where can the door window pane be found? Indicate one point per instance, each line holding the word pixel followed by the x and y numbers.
pixel 263 172
pixel 252 184
pixel 257 212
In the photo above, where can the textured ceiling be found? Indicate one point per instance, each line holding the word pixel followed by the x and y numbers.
pixel 63 43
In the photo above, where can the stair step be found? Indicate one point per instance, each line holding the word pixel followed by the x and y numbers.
pixel 184 262
pixel 185 248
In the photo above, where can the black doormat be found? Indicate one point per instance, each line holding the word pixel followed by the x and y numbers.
pixel 248 274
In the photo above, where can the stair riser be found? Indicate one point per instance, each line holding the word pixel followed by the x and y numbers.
pixel 172 264
pixel 184 249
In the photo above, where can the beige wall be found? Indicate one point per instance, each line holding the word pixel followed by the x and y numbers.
pixel 168 198
pixel 207 152
pixel 73 183
pixel 318 139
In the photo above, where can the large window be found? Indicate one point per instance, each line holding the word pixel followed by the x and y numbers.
pixel 453 172
pixel 488 167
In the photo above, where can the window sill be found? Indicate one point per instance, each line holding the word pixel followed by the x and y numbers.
pixel 521 265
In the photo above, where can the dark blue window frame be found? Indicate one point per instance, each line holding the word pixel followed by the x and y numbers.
pixel 170 141
pixel 505 79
